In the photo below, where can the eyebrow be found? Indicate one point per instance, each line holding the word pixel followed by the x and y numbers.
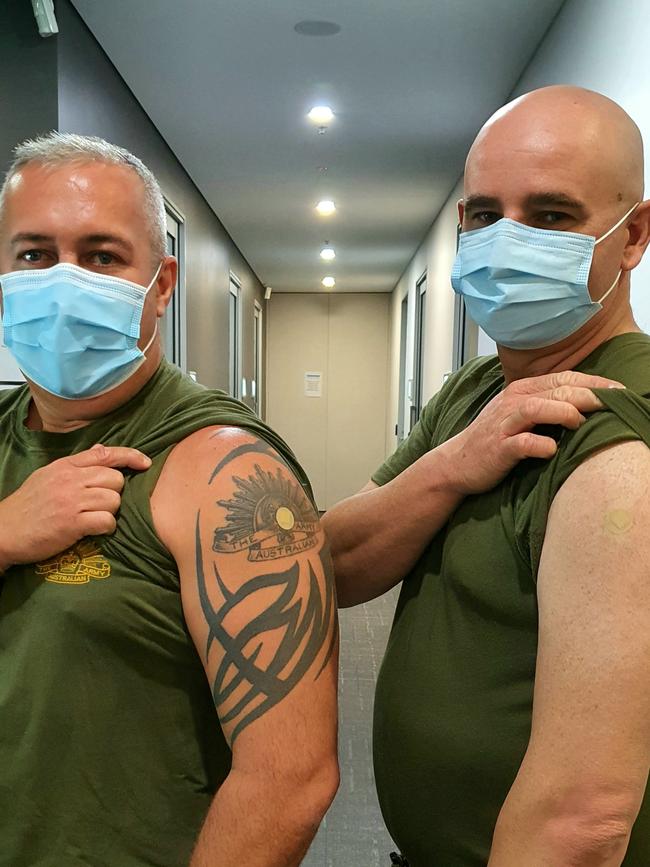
pixel 478 202
pixel 36 238
pixel 108 239
pixel 555 199
pixel 538 200
pixel 31 237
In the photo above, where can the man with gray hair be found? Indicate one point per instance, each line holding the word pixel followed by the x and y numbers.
pixel 167 614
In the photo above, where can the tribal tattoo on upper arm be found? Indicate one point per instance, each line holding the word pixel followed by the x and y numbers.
pixel 266 588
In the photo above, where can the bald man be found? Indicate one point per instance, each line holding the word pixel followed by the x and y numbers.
pixel 512 716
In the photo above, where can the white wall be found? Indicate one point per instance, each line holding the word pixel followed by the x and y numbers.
pixel 435 256
pixel 598 44
pixel 339 437
pixel 601 44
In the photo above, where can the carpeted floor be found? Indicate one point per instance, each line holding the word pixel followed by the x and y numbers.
pixel 353 832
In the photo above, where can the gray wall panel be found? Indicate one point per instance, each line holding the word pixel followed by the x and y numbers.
pixel 68 82
pixel 28 63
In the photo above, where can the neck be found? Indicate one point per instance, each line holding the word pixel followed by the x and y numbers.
pixel 53 414
pixel 608 323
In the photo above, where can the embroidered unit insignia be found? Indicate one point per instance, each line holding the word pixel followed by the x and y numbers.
pixel 77 565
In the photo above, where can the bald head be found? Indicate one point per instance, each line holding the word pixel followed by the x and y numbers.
pixel 566 128
pixel 569 160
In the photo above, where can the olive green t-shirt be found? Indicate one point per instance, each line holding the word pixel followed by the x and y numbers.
pixel 110 745
pixel 454 697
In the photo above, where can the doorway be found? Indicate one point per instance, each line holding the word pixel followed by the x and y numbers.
pixel 173 322
pixel 234 331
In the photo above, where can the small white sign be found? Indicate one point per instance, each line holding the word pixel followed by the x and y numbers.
pixel 313 384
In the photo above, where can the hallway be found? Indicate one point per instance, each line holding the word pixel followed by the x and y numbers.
pixel 353 833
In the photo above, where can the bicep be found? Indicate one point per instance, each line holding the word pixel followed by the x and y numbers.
pixel 591 718
pixel 369 487
pixel 259 601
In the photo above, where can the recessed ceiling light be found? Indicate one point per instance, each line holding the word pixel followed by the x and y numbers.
pixel 317 28
pixel 327 253
pixel 321 114
pixel 326 207
pixel 328 282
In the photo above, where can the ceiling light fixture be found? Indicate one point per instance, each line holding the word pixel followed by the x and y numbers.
pixel 328 282
pixel 326 207
pixel 317 28
pixel 321 115
pixel 327 253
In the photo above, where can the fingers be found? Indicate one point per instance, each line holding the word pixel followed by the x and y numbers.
pixel 97 523
pixel 111 456
pixel 539 410
pixel 101 500
pixel 530 445
pixel 104 477
pixel 562 404
pixel 571 378
pixel 582 398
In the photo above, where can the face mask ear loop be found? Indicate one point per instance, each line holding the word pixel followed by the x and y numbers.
pixel 614 228
pixel 155 331
pixel 606 235
pixel 611 288
pixel 159 269
pixel 153 337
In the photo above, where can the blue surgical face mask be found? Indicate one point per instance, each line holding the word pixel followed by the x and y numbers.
pixel 73 332
pixel 525 287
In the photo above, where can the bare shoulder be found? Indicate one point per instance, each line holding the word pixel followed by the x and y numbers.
pixel 191 470
pixel 597 534
pixel 256 579
pixel 192 454
pixel 613 478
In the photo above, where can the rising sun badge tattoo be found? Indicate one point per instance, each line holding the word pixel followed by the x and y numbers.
pixel 268 516
pixel 279 622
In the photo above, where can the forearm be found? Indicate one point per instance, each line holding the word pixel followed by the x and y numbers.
pixel 377 536
pixel 260 822
pixel 545 850
pixel 7 558
pixel 574 830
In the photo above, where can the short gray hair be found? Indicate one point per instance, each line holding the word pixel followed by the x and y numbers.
pixel 58 148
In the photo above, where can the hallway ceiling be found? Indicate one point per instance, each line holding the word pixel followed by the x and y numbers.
pixel 229 84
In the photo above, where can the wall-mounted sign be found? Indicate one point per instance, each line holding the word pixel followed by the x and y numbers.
pixel 313 384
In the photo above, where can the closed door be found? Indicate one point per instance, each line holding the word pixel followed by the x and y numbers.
pixel 327 385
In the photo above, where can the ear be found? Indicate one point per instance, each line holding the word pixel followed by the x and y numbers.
pixel 638 237
pixel 461 210
pixel 165 283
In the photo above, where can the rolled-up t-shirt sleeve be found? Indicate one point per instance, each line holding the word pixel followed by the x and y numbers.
pixel 418 443
pixel 467 384
pixel 626 417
